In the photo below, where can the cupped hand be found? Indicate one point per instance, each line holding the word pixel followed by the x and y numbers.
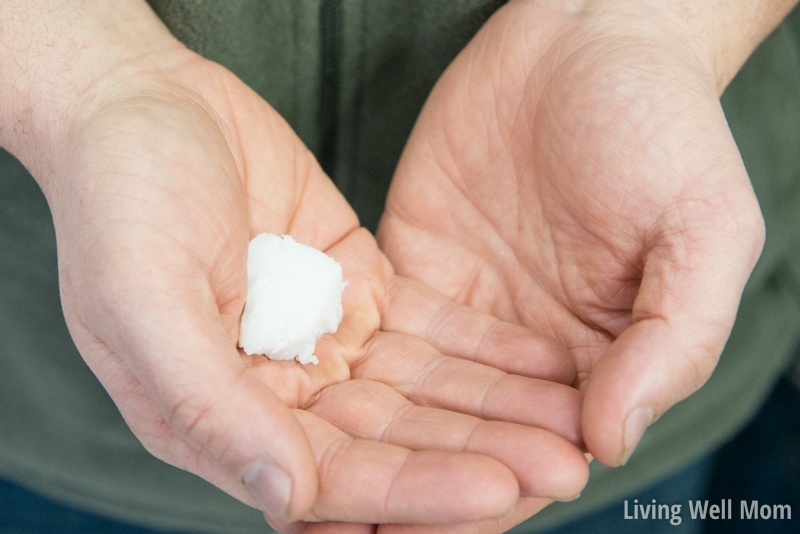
pixel 572 172
pixel 168 172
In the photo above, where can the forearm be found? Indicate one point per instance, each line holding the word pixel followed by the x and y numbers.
pixel 55 57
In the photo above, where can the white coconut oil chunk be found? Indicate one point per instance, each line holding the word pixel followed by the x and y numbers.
pixel 294 297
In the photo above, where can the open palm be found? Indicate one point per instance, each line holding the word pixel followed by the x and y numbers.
pixel 574 173
pixel 169 173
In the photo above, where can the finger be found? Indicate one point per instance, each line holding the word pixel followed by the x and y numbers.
pixel 456 330
pixel 525 508
pixel 424 376
pixel 282 527
pixel 189 399
pixel 544 464
pixel 682 317
pixel 364 481
pixel 327 527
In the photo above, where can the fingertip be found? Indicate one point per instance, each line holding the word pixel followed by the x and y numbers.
pixel 271 488
pixel 555 361
pixel 492 491
pixel 283 527
pixel 634 428
pixel 271 452
pixel 641 376
pixel 560 470
pixel 568 474
pixel 546 464
pixel 501 494
pixel 521 351
pixel 285 491
pixel 603 420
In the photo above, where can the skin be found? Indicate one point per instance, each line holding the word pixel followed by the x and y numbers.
pixel 572 172
pixel 158 167
pixel 629 247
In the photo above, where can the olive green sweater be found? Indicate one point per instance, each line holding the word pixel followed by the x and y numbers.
pixel 351 76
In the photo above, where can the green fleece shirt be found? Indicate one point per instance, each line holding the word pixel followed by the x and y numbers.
pixel 351 76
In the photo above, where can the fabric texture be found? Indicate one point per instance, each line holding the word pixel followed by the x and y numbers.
pixel 351 76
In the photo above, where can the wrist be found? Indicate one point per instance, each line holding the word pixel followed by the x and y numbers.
pixel 56 65
pixel 720 35
pixel 723 33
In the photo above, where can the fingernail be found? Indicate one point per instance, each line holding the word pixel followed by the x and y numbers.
pixel 271 487
pixel 635 425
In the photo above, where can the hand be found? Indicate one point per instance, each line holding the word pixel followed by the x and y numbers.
pixel 573 172
pixel 168 171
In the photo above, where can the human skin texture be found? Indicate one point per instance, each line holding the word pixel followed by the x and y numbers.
pixel 158 167
pixel 590 190
pixel 573 172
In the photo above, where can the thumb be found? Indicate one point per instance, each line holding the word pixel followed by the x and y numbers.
pixel 181 385
pixel 692 282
